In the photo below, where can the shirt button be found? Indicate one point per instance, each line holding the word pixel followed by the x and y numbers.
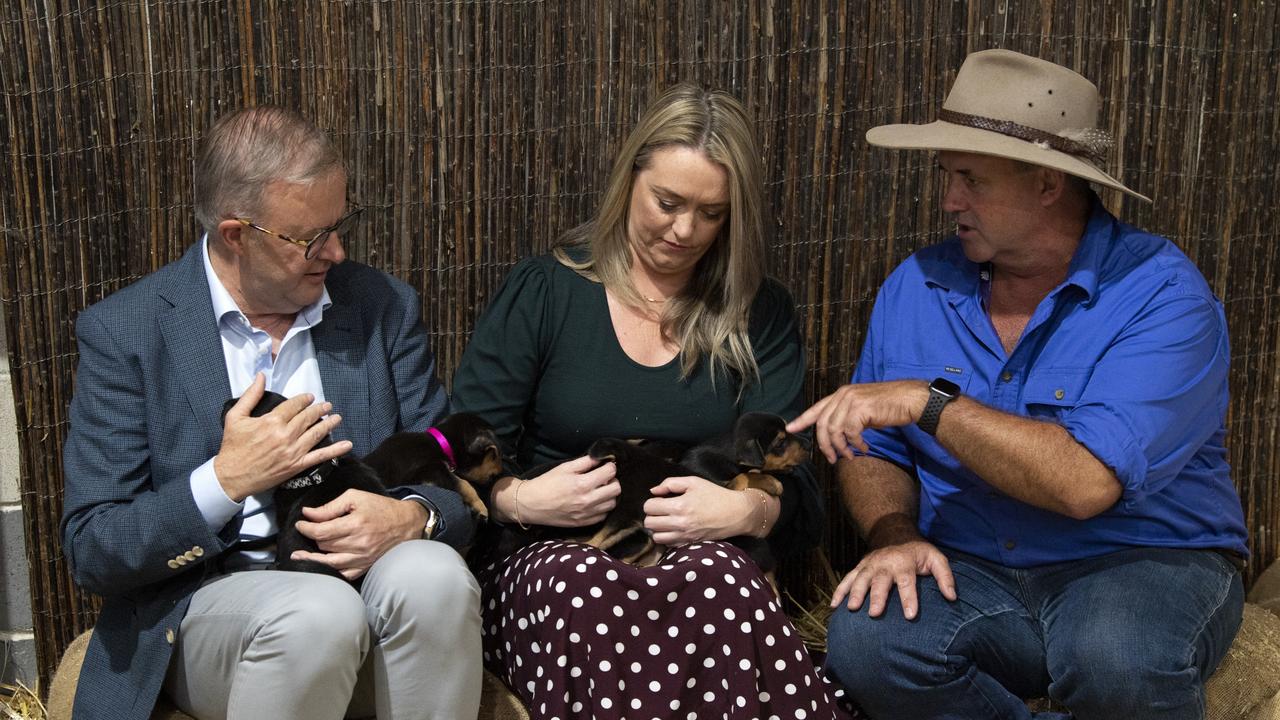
pixel 1006 376
pixel 1009 545
pixel 1059 394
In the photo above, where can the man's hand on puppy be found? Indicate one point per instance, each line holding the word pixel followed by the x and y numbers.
pixel 689 508
pixel 895 566
pixel 841 416
pixel 259 453
pixel 575 493
pixel 356 528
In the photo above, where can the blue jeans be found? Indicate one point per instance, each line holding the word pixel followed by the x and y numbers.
pixel 1131 635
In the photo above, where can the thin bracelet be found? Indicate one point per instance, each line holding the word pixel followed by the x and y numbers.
pixel 764 512
pixel 519 484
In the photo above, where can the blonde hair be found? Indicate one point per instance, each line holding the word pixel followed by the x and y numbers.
pixel 709 317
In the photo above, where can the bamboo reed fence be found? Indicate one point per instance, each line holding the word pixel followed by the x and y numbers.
pixel 479 131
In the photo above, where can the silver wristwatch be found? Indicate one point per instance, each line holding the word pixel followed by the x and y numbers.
pixel 433 519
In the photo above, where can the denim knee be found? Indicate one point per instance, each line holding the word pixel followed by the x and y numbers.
pixel 1111 658
pixel 852 642
pixel 883 656
pixel 1100 673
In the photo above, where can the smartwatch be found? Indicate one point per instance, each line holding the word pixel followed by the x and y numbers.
pixel 941 392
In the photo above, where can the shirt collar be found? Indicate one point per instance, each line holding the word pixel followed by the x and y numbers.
pixel 960 275
pixel 1091 254
pixel 223 304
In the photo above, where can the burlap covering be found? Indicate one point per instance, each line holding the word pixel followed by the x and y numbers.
pixel 1246 686
pixel 496 701
pixel 1266 589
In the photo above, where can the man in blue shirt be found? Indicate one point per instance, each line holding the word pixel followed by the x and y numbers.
pixel 1033 441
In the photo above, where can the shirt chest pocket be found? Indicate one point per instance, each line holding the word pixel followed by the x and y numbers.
pixel 906 371
pixel 1051 393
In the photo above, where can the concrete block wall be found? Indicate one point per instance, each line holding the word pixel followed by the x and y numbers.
pixel 17 643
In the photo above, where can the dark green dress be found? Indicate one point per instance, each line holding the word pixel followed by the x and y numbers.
pixel 545 367
pixel 577 633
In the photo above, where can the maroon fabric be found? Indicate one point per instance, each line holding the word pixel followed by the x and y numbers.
pixel 578 634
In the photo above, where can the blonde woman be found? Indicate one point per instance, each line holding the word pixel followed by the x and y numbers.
pixel 655 320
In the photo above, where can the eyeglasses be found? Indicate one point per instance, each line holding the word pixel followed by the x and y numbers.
pixel 342 227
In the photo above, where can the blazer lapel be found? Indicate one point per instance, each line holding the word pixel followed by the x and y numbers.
pixel 340 352
pixel 191 337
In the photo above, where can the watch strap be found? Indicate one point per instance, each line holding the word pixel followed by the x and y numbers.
pixel 938 400
pixel 435 521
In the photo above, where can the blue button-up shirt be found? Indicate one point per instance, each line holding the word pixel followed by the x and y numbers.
pixel 1129 354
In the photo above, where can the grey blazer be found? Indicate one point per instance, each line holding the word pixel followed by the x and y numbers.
pixel 146 411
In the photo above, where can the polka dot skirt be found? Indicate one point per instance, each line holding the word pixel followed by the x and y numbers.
pixel 578 634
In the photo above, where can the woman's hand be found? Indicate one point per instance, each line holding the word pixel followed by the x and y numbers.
pixel 689 508
pixel 572 494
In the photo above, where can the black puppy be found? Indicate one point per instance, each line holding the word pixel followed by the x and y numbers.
pixel 313 487
pixel 461 442
pixel 753 455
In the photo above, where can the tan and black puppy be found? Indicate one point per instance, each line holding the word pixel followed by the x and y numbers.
pixel 457 454
pixel 751 456
pixel 757 454
pixel 461 443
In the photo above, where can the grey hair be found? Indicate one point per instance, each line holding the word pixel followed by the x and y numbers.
pixel 251 148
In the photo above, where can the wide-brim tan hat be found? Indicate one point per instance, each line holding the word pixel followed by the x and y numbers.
pixel 1015 106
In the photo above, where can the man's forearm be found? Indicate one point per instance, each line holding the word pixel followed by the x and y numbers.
pixel 881 497
pixel 1037 462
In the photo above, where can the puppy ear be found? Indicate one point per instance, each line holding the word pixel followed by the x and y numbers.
pixel 479 444
pixel 492 454
pixel 608 449
pixel 751 453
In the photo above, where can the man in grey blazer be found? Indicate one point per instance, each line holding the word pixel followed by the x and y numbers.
pixel 159 490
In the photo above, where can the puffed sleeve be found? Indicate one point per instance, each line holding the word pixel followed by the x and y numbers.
pixel 779 352
pixel 499 371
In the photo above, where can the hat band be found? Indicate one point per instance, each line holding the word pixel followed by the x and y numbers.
pixel 1090 143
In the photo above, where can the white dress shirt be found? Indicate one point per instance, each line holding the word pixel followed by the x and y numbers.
pixel 247 352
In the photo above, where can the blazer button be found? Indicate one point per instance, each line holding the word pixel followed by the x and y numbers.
pixel 173 565
pixel 189 555
pixel 168 635
pixel 180 560
pixel 197 551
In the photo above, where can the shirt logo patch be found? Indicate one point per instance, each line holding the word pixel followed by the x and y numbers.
pixel 953 370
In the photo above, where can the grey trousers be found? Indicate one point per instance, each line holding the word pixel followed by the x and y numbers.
pixel 272 644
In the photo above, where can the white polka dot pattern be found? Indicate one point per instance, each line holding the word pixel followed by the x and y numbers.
pixel 578 634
